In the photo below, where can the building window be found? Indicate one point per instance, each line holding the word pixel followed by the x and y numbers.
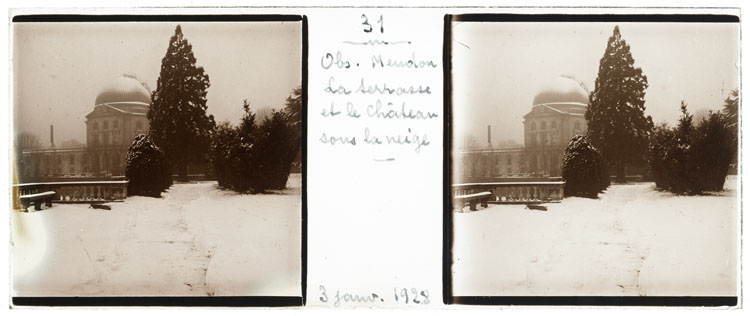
pixel 533 126
pixel 116 124
pixel 510 160
pixel 553 124
pixel 544 125
pixel 96 126
pixel 72 160
pixel 106 125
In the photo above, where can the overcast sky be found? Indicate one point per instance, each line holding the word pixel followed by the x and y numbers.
pixel 59 68
pixel 498 68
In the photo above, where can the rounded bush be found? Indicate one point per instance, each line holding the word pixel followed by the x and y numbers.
pixel 146 168
pixel 583 169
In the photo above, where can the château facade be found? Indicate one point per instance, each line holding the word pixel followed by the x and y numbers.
pixel 556 115
pixel 119 114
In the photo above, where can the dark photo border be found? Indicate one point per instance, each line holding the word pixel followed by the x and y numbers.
pixel 448 297
pixel 194 301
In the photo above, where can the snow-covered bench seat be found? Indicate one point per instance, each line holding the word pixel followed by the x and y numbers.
pixel 37 199
pixel 472 199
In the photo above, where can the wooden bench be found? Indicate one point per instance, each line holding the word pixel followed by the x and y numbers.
pixel 472 199
pixel 37 199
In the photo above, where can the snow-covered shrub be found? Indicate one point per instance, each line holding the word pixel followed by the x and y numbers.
pixel 146 168
pixel 231 153
pixel 713 151
pixel 220 154
pixel 689 159
pixel 274 152
pixel 661 140
pixel 254 158
pixel 670 157
pixel 583 169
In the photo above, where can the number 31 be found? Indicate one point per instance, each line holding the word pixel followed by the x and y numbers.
pixel 368 27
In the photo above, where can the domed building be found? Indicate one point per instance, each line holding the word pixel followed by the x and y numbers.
pixel 556 115
pixel 119 114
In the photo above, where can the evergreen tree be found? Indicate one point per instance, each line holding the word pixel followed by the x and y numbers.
pixel 662 139
pixel 293 111
pixel 617 125
pixel 690 159
pixel 294 107
pixel 731 112
pixel 732 105
pixel 220 154
pixel 179 124
pixel 254 158
pixel 244 161
pixel 680 165
pixel 273 152
pixel 232 153
pixel 712 152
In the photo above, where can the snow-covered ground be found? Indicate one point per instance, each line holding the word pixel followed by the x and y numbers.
pixel 196 240
pixel 632 241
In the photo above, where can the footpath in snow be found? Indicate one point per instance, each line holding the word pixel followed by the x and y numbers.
pixel 196 240
pixel 632 241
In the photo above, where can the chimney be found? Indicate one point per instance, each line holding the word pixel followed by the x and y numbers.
pixel 52 135
pixel 489 135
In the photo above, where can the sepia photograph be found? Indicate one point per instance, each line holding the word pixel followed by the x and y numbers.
pixel 595 158
pixel 157 159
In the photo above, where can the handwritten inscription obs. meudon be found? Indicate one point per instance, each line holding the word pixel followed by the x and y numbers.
pixel 397 101
pixel 337 60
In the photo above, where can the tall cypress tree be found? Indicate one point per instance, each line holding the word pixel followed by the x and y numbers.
pixel 179 124
pixel 617 125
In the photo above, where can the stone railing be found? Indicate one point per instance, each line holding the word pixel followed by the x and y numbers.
pixel 74 192
pixel 515 192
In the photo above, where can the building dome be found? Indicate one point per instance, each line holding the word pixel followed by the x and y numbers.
pixel 123 89
pixel 561 90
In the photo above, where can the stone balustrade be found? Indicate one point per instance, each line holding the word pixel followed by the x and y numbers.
pixel 515 192
pixel 74 192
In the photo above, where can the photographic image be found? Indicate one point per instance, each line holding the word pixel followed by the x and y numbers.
pixel 594 158
pixel 157 158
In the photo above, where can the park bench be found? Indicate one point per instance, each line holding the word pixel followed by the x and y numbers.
pixel 37 199
pixel 472 199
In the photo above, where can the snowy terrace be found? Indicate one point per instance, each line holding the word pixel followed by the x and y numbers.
pixel 632 241
pixel 196 240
